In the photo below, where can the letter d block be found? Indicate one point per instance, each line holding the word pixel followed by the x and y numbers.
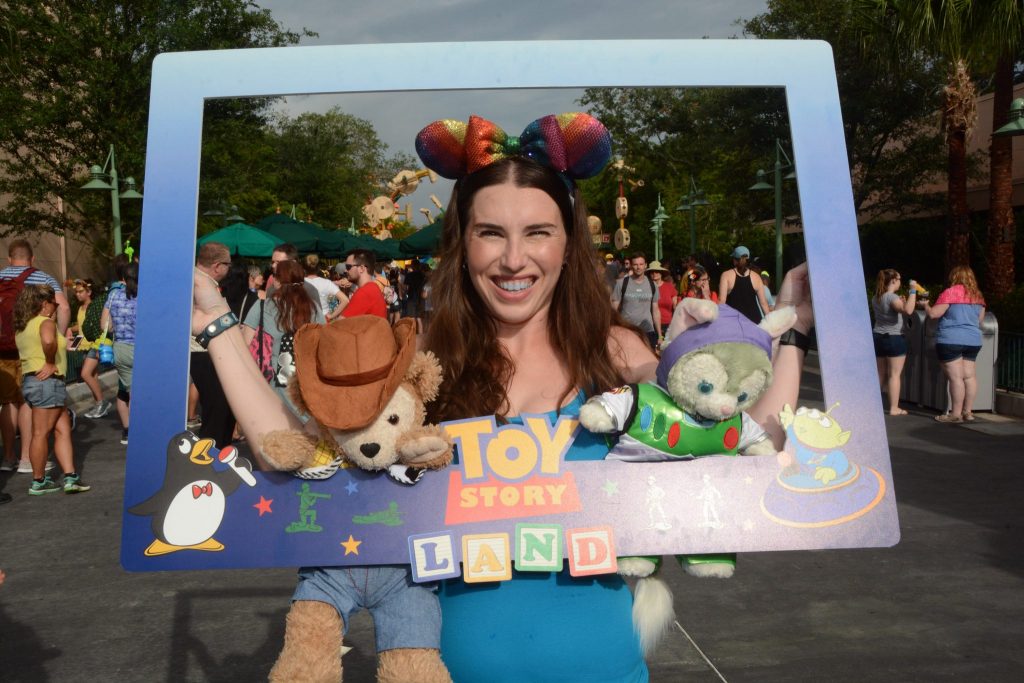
pixel 591 551
pixel 432 556
pixel 539 547
pixel 486 557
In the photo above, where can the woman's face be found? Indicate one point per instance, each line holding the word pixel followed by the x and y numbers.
pixel 656 276
pixel 82 294
pixel 515 248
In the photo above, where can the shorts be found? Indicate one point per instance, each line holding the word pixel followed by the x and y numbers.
pixel 889 345
pixel 405 613
pixel 124 361
pixel 10 381
pixel 951 352
pixel 46 393
pixel 93 353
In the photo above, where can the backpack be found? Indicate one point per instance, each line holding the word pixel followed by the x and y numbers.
pixel 625 283
pixel 10 287
pixel 261 347
pixel 285 361
pixel 91 328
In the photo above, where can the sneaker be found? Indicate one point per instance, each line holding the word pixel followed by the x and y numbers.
pixel 5 498
pixel 124 437
pixel 99 410
pixel 194 422
pixel 25 467
pixel 74 484
pixel 9 466
pixel 41 488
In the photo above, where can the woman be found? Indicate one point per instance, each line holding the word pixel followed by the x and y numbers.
pixel 119 317
pixel 287 309
pixel 515 272
pixel 889 308
pixel 959 309
pixel 324 287
pixel 91 364
pixel 44 362
pixel 697 284
pixel 667 297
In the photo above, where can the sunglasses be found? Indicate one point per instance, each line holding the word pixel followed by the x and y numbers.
pixel 350 266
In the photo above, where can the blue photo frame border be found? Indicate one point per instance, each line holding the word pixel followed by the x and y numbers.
pixel 182 82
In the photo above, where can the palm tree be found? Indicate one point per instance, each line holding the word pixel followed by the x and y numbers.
pixel 947 31
pixel 1004 40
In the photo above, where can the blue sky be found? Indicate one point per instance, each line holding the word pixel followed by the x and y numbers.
pixel 398 116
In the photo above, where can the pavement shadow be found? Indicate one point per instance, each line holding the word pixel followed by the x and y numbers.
pixel 27 649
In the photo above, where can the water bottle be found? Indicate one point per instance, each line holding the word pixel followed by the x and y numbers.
pixel 106 352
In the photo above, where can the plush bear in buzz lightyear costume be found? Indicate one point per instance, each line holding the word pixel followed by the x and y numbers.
pixel 715 364
pixel 366 386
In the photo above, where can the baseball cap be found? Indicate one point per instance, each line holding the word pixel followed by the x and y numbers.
pixel 740 252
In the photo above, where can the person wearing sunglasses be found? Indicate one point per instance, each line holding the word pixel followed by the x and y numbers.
pixel 359 265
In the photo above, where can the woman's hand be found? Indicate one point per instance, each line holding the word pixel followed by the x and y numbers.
pixel 47 371
pixel 796 292
pixel 207 302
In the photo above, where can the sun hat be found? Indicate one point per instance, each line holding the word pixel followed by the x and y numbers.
pixel 655 265
pixel 349 369
pixel 740 252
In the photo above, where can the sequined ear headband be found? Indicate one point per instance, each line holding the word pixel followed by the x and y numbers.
pixel 575 145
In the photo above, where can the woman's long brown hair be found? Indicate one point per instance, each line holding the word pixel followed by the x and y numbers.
pixel 963 275
pixel 463 333
pixel 294 307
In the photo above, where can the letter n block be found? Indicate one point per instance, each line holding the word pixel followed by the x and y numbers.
pixel 591 551
pixel 486 557
pixel 432 556
pixel 539 547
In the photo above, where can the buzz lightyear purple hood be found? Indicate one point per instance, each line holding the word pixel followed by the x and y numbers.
pixel 729 326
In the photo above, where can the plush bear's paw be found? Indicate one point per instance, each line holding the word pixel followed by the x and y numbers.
pixel 763 447
pixel 423 450
pixel 639 567
pixel 288 449
pixel 595 418
pixel 711 570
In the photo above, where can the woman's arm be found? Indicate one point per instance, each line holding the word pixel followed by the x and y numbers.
pixel 788 363
pixel 631 355
pixel 48 339
pixel 936 311
pixel 256 406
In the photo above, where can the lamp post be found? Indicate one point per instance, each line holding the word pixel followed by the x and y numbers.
pixel 97 175
pixel 656 227
pixel 762 184
pixel 1016 123
pixel 693 199
pixel 229 214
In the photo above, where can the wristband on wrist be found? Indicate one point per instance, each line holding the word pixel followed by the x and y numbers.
pixel 219 325
pixel 793 338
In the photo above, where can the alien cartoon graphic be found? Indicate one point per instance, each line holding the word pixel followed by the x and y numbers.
pixel 189 507
pixel 817 485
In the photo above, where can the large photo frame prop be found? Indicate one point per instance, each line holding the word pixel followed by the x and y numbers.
pixel 708 505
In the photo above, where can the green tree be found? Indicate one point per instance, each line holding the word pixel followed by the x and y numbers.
pixel 949 32
pixel 75 77
pixel 332 162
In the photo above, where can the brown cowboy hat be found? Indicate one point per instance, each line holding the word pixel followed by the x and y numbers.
pixel 349 369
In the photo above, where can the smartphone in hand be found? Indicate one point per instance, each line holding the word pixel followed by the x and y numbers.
pixel 75 343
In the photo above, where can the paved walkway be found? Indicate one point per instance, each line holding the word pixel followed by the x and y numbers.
pixel 944 604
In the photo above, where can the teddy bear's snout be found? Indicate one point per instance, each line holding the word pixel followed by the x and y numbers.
pixel 369 449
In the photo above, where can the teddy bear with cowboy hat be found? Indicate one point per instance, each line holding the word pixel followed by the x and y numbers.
pixel 365 384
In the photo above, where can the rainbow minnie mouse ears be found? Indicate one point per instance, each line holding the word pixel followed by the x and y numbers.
pixel 575 144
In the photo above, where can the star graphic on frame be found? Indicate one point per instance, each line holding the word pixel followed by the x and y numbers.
pixel 264 505
pixel 351 487
pixel 351 546
pixel 611 488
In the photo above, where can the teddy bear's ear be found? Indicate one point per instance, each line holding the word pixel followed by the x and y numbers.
pixel 778 321
pixel 295 394
pixel 425 375
pixel 689 312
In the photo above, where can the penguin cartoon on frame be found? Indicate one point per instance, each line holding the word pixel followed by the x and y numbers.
pixel 188 508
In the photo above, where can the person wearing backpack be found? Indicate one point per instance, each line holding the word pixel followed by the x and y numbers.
pixel 14 413
pixel 636 298
pixel 87 325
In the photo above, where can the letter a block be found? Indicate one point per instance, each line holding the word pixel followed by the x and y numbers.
pixel 591 551
pixel 539 547
pixel 432 556
pixel 486 557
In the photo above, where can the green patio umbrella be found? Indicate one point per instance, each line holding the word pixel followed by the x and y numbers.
pixel 424 242
pixel 244 240
pixel 305 236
